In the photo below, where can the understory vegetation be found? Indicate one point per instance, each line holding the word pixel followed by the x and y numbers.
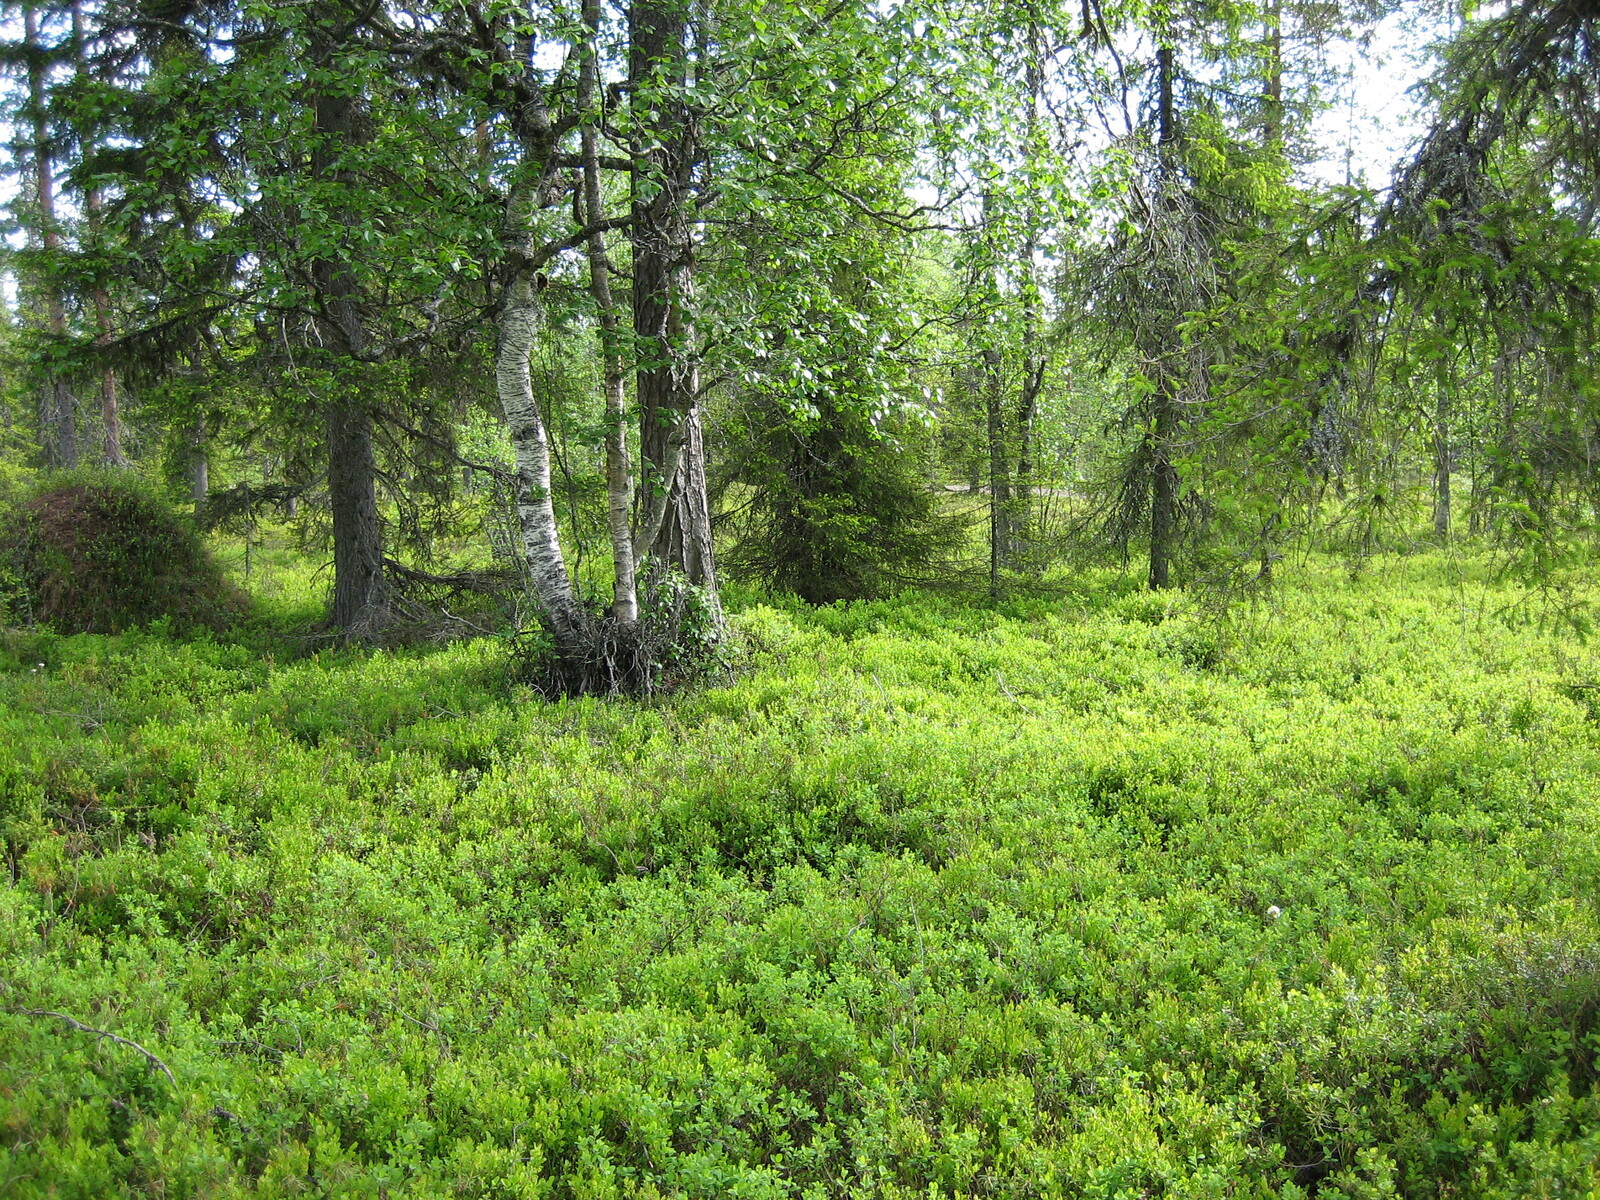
pixel 1102 896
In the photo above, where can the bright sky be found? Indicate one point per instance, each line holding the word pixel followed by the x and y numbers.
pixel 1377 119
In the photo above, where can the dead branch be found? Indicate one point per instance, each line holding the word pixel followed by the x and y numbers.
pixel 103 1033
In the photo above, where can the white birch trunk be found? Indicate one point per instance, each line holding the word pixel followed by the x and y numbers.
pixel 619 469
pixel 547 568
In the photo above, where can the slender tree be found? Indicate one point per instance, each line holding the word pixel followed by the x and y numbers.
pixel 58 419
pixel 99 296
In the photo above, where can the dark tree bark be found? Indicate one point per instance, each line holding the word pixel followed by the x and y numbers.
pixel 1442 459
pixel 1163 488
pixel 619 470
pixel 693 513
pixel 1272 126
pixel 1033 368
pixel 110 408
pixel 1033 360
pixel 1000 532
pixel 674 528
pixel 362 602
pixel 110 416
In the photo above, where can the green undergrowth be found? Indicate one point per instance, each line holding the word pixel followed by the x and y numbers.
pixel 1092 897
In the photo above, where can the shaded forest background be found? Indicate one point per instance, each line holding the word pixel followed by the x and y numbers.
pixel 525 315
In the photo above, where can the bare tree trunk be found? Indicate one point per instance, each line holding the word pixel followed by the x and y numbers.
pixel 1272 126
pixel 547 568
pixel 199 464
pixel 1163 487
pixel 688 527
pixel 58 418
pixel 674 523
pixel 1033 365
pixel 110 419
pixel 362 601
pixel 619 470
pixel 991 372
pixel 110 415
pixel 1442 459
pixel 1480 436
pixel 999 468
pixel 1027 417
pixel 1163 474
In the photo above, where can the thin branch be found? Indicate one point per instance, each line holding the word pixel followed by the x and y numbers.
pixel 534 259
pixel 103 1033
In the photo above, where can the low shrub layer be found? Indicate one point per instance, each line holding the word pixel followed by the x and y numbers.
pixel 1099 900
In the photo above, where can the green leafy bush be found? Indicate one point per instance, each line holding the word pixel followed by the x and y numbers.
pixel 95 552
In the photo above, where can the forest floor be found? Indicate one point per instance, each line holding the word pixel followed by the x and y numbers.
pixel 1095 896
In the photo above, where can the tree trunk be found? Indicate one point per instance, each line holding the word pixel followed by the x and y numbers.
pixel 1163 487
pixel 58 418
pixel 110 415
pixel 674 513
pixel 1478 437
pixel 1441 459
pixel 199 465
pixel 1033 366
pixel 362 602
pixel 1163 435
pixel 999 473
pixel 1272 126
pixel 547 568
pixel 619 471
pixel 1027 417
pixel 110 418
pixel 687 528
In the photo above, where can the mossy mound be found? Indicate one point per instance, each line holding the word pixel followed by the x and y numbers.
pixel 97 553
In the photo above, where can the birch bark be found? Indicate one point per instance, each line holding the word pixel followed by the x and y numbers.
pixel 530 443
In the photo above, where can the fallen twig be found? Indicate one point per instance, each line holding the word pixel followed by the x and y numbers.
pixel 1012 696
pixel 104 1033
pixel 90 724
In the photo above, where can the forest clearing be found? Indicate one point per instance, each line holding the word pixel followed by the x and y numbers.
pixel 799 598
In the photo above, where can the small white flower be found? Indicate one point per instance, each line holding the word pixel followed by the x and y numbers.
pixel 1274 912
